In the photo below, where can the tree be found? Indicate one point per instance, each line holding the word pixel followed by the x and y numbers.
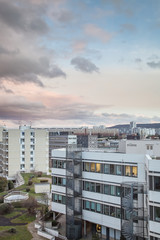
pixel 10 185
pixel 3 184
pixel 31 205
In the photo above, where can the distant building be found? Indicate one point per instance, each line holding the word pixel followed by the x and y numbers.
pixel 24 149
pixel 87 141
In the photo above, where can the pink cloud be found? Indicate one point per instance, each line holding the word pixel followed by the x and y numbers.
pixel 96 32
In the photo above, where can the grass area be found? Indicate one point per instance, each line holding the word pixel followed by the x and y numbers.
pixel 24 218
pixel 12 214
pixel 21 233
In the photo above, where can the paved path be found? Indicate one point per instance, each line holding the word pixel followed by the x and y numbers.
pixel 33 231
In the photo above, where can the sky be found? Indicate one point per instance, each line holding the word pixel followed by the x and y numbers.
pixel 72 63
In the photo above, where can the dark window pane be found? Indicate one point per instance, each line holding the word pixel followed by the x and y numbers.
pixel 157 214
pixel 98 187
pixel 106 210
pixel 107 189
pixel 112 169
pixel 92 187
pixel 112 211
pixel 118 191
pixel 157 183
pixel 150 183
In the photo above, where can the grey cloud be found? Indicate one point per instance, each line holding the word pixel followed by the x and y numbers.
pixel 84 65
pixel 154 64
pixel 6 90
pixel 8 52
pixel 21 19
pixel 22 69
pixel 63 16
pixel 138 60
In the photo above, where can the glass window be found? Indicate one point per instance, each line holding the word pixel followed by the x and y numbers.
pixel 147 147
pixel 98 167
pixel 86 186
pixel 112 169
pixel 87 205
pixel 118 212
pixel 150 183
pixel 113 190
pixel 118 191
pixel 106 189
pixel 157 183
pixel 93 206
pixel 98 207
pixel 64 181
pixel 54 180
pixel 112 211
pixel 151 212
pixel 63 199
pixel 92 187
pixel 55 163
pixel 118 170
pixel 59 198
pixel 87 167
pixel 127 171
pixel 134 171
pixel 92 167
pixel 55 197
pixel 98 187
pixel 157 214
pixel 106 210
pixel 106 168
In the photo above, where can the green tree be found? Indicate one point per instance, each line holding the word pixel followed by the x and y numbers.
pixel 3 184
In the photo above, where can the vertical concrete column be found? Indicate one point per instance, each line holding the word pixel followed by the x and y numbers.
pixel 85 228
pixel 54 216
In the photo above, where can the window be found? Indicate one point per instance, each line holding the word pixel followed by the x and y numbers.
pixel 98 187
pixel 157 214
pixel 118 191
pixel 113 190
pixel 31 165
pixel 106 168
pixel 92 187
pixel 118 212
pixel 98 207
pixel 23 152
pixel 150 183
pixel 23 159
pixel 87 205
pixel 107 189
pixel 98 167
pixel 112 169
pixel 134 171
pixel 106 210
pixel 92 167
pixel 86 186
pixel 93 206
pixel 112 211
pixel 23 133
pixel 31 159
pixel 118 170
pixel 127 171
pixel 157 183
pixel 86 167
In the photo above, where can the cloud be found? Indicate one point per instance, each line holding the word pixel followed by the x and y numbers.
pixel 127 27
pixel 79 45
pixel 63 16
pixel 138 60
pixel 154 64
pixel 98 33
pixel 21 69
pixel 84 65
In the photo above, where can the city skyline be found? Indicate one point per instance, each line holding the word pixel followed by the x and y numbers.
pixel 78 63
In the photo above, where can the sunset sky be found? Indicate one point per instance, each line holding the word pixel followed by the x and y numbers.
pixel 79 62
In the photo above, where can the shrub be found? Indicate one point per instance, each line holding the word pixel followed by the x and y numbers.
pixel 54 223
pixel 12 230
pixel 10 185
pixel 30 182
pixel 3 184
pixel 6 208
pixel 44 181
pixel 17 204
pixel 27 189
pixel 39 174
pixel 1 199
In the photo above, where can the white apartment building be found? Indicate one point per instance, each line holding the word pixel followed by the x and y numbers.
pixel 146 146
pixel 115 194
pixel 25 149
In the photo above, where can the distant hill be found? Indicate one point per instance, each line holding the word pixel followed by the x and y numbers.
pixel 142 125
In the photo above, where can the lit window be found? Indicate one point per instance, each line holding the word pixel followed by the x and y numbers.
pixel 127 171
pixel 134 171
pixel 98 167
pixel 92 167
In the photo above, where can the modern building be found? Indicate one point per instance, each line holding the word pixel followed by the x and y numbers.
pixel 25 149
pixel 114 194
pixel 87 141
